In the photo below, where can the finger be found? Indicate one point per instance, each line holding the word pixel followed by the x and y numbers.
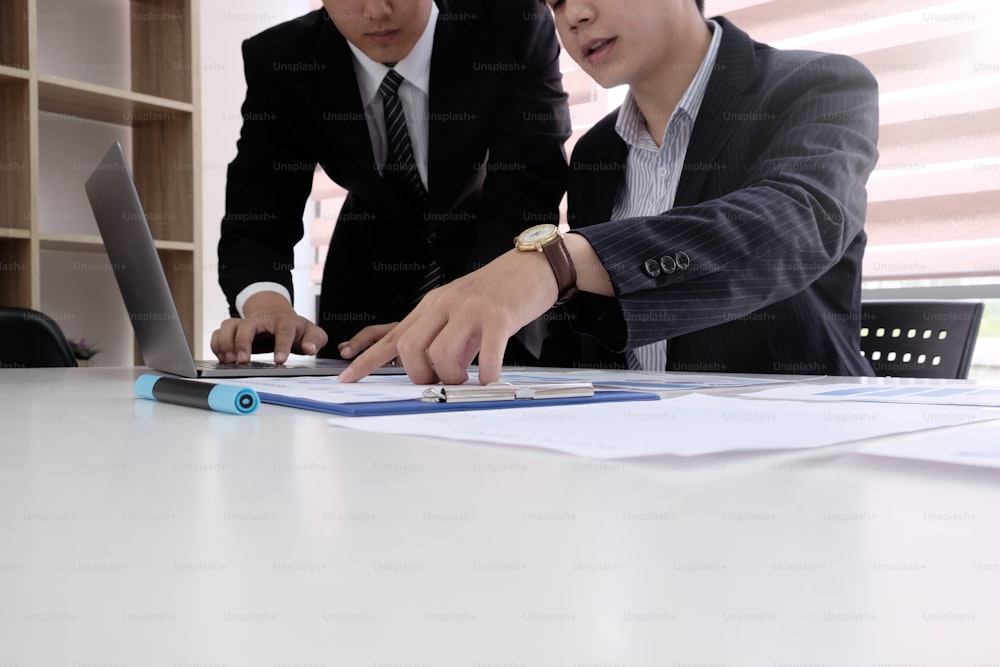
pixel 313 340
pixel 222 341
pixel 263 341
pixel 377 355
pixel 214 344
pixel 456 346
pixel 242 341
pixel 449 355
pixel 227 339
pixel 414 345
pixel 492 347
pixel 285 334
pixel 364 339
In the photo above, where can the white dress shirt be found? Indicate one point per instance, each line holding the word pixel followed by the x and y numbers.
pixel 414 95
pixel 653 172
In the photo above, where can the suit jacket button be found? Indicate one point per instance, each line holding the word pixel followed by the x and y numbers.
pixel 668 263
pixel 652 268
pixel 682 260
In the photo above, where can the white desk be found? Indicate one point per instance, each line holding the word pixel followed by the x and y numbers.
pixel 141 533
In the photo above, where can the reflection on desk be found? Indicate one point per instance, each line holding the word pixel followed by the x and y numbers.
pixel 140 533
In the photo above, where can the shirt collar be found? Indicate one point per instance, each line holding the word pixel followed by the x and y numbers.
pixel 415 67
pixel 630 125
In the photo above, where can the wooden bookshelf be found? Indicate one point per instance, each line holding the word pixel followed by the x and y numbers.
pixel 76 75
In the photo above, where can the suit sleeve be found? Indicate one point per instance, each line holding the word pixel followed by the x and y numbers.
pixel 801 205
pixel 267 185
pixel 527 164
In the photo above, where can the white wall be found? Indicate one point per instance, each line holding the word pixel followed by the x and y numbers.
pixel 224 26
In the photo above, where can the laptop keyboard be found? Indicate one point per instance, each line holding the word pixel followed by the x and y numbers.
pixel 221 365
pixel 210 365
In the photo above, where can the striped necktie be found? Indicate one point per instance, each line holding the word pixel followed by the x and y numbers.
pixel 401 167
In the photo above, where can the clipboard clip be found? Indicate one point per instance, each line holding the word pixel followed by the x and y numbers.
pixel 506 391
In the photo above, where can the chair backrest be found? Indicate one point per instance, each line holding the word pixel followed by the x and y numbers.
pixel 925 339
pixel 30 339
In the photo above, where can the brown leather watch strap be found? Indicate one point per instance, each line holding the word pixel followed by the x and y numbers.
pixel 563 268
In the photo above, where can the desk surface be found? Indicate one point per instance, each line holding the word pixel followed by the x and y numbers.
pixel 139 533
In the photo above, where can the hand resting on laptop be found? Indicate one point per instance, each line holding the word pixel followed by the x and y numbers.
pixel 269 322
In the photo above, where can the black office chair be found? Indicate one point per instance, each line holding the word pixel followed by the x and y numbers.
pixel 30 339
pixel 920 339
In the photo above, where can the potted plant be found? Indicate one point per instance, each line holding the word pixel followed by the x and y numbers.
pixel 83 351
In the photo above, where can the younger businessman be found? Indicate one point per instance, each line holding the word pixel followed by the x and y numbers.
pixel 718 215
pixel 443 119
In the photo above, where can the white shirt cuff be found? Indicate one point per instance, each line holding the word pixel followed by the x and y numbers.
pixel 256 288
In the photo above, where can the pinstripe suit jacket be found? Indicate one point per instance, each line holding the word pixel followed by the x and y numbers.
pixel 757 268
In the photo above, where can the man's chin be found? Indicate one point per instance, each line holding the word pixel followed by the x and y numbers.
pixel 606 76
pixel 387 54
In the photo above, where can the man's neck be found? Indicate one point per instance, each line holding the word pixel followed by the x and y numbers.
pixel 658 94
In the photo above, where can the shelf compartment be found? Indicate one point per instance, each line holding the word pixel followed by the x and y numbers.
pixel 178 266
pixel 15 174
pixel 164 177
pixel 85 40
pixel 14 33
pixel 89 119
pixel 73 270
pixel 138 45
pixel 70 148
pixel 70 281
pixel 15 272
pixel 161 48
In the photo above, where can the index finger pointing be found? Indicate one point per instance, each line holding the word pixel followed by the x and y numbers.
pixel 377 355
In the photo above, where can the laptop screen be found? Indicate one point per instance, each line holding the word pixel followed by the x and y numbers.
pixel 137 266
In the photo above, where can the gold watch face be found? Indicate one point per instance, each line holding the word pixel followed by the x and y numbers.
pixel 537 235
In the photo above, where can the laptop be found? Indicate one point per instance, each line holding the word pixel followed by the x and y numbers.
pixel 144 288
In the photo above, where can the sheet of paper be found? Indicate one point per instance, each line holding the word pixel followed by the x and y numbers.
pixel 976 445
pixel 685 425
pixel 645 381
pixel 899 391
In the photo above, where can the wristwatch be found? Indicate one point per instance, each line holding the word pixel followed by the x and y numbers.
pixel 547 239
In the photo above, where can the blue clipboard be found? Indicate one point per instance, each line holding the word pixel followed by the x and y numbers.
pixel 417 406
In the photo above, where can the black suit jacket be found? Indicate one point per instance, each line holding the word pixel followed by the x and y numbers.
pixel 757 268
pixel 498 119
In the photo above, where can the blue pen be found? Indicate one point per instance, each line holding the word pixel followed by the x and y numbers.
pixel 219 397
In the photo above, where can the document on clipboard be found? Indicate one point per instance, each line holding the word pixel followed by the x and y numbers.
pixel 390 395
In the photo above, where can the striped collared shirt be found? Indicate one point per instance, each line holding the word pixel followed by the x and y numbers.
pixel 653 172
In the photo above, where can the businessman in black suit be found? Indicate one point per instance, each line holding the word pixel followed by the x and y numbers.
pixel 440 178
pixel 718 215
